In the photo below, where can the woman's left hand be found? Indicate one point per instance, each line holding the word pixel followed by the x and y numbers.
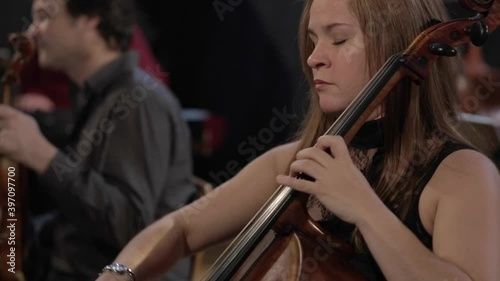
pixel 339 185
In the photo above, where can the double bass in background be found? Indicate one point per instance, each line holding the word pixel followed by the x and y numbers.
pixel 13 177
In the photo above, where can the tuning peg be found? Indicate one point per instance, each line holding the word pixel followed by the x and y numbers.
pixel 478 33
pixel 441 49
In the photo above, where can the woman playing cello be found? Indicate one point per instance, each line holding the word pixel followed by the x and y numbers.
pixel 408 192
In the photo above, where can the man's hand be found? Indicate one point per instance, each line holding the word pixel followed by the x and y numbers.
pixel 32 102
pixel 22 141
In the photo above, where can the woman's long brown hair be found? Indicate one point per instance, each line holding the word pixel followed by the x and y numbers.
pixel 412 113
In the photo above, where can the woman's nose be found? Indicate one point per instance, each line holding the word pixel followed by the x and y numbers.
pixel 318 58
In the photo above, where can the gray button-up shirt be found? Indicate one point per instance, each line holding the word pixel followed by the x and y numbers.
pixel 127 164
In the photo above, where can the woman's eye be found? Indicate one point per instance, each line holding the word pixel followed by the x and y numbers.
pixel 340 42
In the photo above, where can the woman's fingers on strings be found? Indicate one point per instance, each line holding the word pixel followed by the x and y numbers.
pixel 335 145
pixel 297 184
pixel 316 154
pixel 306 166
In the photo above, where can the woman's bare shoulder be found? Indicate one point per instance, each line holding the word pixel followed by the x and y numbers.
pixel 465 172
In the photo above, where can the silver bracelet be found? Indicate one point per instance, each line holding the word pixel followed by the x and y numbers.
pixel 119 269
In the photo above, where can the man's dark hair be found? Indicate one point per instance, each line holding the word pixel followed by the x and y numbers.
pixel 117 19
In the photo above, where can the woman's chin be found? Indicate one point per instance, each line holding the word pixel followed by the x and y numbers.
pixel 330 108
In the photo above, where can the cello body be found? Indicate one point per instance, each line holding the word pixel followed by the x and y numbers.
pixel 305 254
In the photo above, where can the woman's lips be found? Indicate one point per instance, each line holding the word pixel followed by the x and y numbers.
pixel 319 84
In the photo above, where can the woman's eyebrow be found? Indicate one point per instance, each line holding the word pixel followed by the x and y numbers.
pixel 328 27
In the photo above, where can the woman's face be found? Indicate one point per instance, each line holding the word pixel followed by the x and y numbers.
pixel 338 61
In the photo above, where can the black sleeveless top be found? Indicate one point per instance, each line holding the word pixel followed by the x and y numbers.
pixel 370 137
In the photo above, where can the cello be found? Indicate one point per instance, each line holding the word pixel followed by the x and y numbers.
pixel 13 180
pixel 283 223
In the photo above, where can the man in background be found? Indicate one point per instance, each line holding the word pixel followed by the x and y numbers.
pixel 127 161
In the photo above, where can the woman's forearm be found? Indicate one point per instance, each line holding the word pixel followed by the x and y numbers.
pixel 153 251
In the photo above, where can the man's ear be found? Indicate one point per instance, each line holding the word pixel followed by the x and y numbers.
pixel 88 22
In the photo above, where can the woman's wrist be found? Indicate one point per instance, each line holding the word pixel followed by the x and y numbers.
pixel 377 212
